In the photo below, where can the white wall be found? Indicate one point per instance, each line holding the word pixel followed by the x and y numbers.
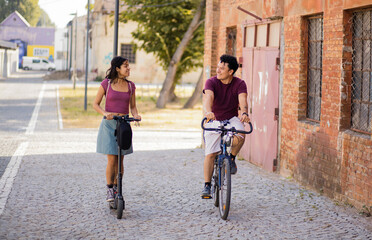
pixel 61 48
pixel 8 62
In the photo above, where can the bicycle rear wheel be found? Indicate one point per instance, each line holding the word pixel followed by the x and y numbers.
pixel 225 190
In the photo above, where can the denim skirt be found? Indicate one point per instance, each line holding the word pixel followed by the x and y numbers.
pixel 106 140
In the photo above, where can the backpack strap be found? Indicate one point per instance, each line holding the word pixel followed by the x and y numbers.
pixel 130 87
pixel 130 90
pixel 108 86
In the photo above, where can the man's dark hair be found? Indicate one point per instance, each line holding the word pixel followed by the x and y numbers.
pixel 231 61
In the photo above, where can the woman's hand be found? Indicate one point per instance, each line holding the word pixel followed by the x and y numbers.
pixel 109 115
pixel 136 123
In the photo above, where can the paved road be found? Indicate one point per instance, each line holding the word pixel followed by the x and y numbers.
pixel 58 191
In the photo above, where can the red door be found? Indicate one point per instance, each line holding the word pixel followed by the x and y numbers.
pixel 262 78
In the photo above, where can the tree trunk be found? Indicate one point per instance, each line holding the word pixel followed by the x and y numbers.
pixel 197 94
pixel 172 97
pixel 172 68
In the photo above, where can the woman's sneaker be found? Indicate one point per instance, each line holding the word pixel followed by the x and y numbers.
pixel 110 195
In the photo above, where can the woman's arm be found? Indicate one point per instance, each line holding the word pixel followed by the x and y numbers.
pixel 97 102
pixel 133 107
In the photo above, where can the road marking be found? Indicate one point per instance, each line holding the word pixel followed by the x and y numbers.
pixel 60 122
pixel 6 181
pixel 31 125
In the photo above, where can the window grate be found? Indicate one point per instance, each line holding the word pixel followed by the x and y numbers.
pixel 126 51
pixel 231 41
pixel 361 85
pixel 314 71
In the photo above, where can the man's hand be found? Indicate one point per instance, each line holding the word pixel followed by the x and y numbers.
pixel 244 118
pixel 210 116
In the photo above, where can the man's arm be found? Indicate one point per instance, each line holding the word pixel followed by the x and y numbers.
pixel 244 117
pixel 208 98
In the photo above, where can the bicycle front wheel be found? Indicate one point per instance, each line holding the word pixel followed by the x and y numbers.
pixel 215 188
pixel 225 190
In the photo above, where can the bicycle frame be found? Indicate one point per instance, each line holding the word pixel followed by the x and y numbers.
pixel 222 196
pixel 224 154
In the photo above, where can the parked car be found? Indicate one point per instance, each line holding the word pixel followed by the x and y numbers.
pixel 36 63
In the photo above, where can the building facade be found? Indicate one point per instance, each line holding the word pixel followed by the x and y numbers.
pixel 144 66
pixel 8 58
pixel 307 65
pixel 32 41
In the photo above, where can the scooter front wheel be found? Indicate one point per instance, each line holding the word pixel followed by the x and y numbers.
pixel 120 208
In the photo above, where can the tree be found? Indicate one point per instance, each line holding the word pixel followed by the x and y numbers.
pixel 173 32
pixel 196 95
pixel 44 20
pixel 29 9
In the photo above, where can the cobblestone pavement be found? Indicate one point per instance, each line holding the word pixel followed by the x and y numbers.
pixel 59 193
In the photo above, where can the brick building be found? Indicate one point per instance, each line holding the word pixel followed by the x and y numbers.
pixel 307 65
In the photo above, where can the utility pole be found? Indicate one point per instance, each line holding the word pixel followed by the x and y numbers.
pixel 67 47
pixel 70 53
pixel 116 28
pixel 74 75
pixel 86 59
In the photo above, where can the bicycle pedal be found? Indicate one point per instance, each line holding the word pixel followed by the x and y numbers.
pixel 206 197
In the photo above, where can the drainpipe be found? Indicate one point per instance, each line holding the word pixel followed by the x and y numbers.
pixel 281 52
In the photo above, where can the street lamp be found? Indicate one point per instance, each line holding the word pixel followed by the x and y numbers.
pixel 74 73
pixel 86 58
pixel 70 52
pixel 116 28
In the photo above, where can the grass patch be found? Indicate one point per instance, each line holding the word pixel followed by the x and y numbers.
pixel 172 117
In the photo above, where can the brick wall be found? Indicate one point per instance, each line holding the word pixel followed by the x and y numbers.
pixel 219 16
pixel 324 155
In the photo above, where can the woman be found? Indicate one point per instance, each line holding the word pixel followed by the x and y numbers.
pixel 120 97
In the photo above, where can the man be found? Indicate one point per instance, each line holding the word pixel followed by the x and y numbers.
pixel 223 95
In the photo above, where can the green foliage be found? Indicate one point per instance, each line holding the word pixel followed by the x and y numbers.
pixel 44 20
pixel 161 27
pixel 29 9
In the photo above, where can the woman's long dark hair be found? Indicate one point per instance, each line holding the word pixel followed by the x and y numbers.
pixel 112 73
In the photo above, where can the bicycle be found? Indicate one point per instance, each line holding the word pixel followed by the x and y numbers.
pixel 221 179
pixel 119 202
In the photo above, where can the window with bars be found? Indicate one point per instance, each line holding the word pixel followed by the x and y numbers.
pixel 126 51
pixel 231 41
pixel 314 71
pixel 361 83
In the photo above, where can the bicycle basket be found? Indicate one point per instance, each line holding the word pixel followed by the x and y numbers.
pixel 123 135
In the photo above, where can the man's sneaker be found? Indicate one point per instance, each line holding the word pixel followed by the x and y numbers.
pixel 110 195
pixel 233 168
pixel 206 193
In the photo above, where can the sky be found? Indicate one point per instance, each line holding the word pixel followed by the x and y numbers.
pixel 59 10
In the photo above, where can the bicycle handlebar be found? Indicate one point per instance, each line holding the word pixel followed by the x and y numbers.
pixel 226 129
pixel 125 117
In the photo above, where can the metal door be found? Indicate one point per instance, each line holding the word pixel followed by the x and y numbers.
pixel 261 74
